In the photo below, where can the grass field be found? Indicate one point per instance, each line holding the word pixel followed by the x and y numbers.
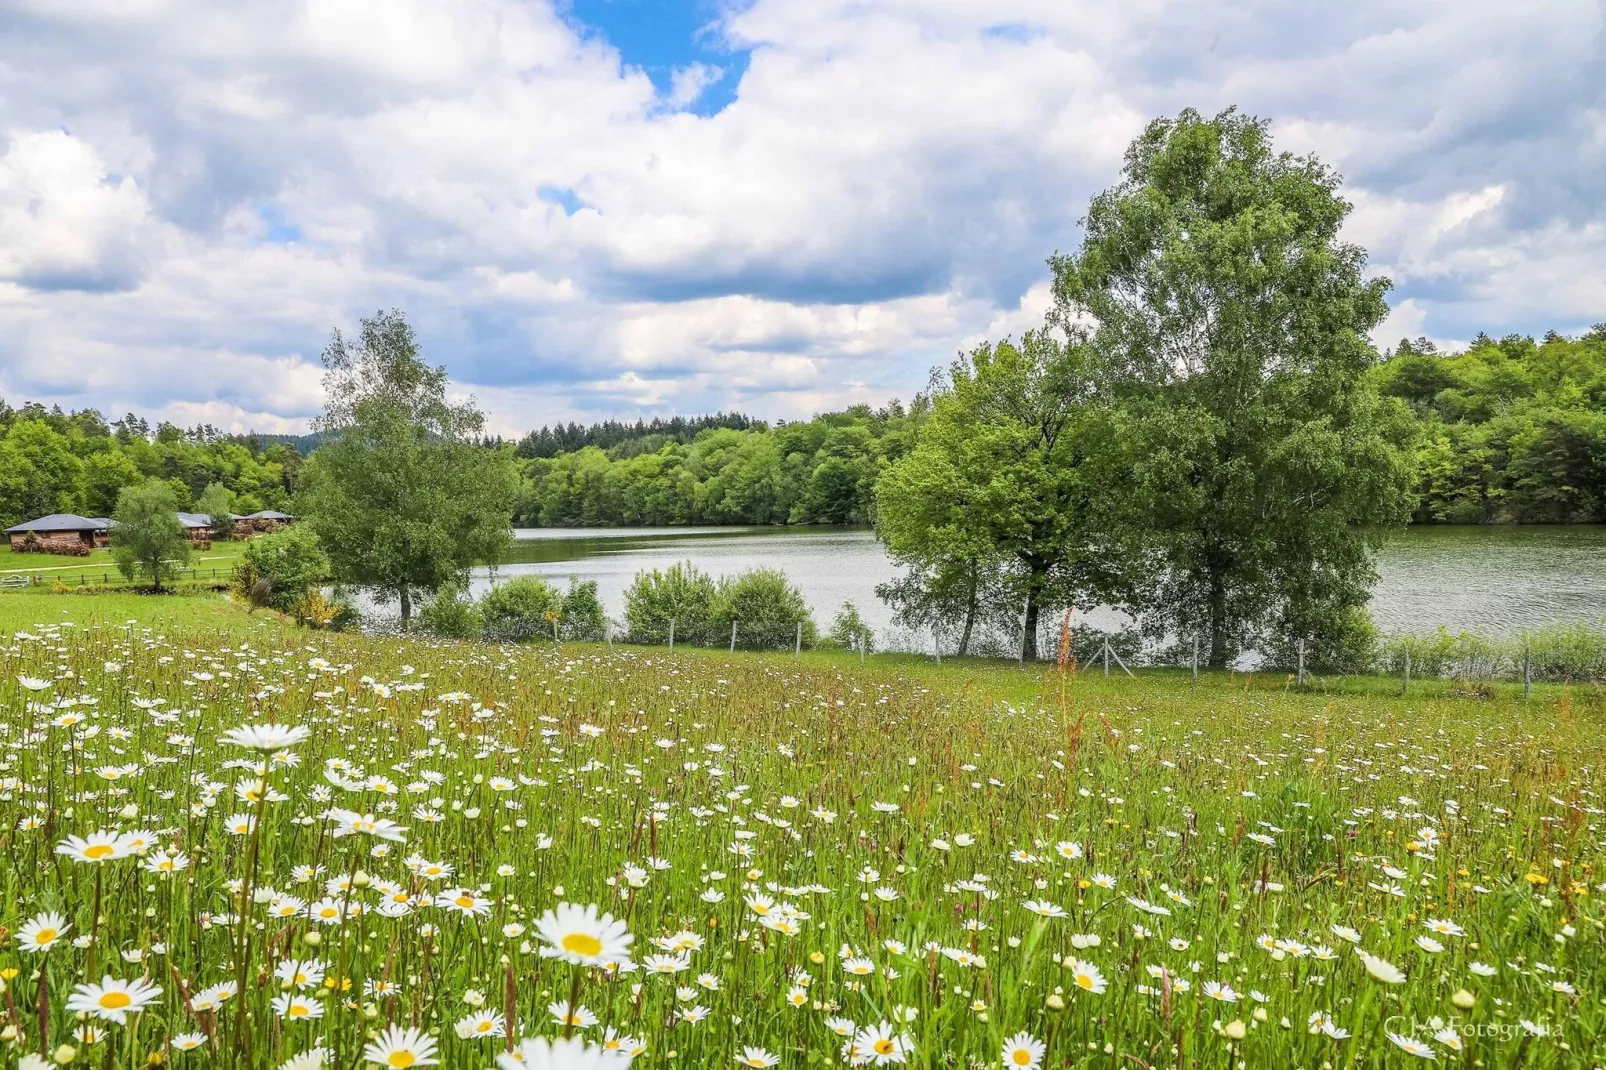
pixel 810 864
pixel 98 568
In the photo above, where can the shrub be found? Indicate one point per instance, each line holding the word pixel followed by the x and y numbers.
pixel 451 613
pixel 766 608
pixel 583 619
pixel 848 629
pixel 520 610
pixel 313 610
pixel 1347 642
pixel 680 593
pixel 291 562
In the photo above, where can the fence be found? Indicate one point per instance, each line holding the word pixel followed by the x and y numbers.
pixel 88 578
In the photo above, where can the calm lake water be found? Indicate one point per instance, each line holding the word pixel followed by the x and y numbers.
pixel 1495 580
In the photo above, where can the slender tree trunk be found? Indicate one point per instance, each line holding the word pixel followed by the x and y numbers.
pixel 1029 644
pixel 970 611
pixel 406 605
pixel 1218 619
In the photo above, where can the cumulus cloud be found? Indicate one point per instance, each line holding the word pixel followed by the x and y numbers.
pixel 193 186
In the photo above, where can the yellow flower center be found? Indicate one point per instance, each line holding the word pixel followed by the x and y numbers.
pixel 44 936
pixel 465 902
pixel 115 1001
pixel 299 1010
pixel 1021 1057
pixel 582 944
pixel 1084 981
pixel 399 1059
pixel 98 851
pixel 883 1047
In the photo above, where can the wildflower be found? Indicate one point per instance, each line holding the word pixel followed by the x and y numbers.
pixel 882 1045
pixel 349 823
pixel 41 932
pixel 295 1008
pixel 188 1041
pixel 1087 977
pixel 1412 1046
pixel 756 1057
pixel 570 1016
pixel 399 1047
pixel 1380 970
pixel 96 847
pixel 567 1054
pixel 579 936
pixel 113 1000
pixel 267 737
pixel 1023 1051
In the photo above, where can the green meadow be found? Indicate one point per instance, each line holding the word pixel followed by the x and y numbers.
pixel 420 852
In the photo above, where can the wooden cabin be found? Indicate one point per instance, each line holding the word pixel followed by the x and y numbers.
pixel 198 526
pixel 261 522
pixel 60 533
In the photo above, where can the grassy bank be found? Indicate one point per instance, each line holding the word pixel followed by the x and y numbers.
pixel 931 859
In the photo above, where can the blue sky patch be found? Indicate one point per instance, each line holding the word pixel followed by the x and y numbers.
pixel 662 36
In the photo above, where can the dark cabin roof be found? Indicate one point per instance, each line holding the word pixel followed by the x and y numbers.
pixel 269 514
pixel 60 522
pixel 195 520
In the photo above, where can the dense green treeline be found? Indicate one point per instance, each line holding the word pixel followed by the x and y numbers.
pixel 819 472
pixel 1512 431
pixel 56 462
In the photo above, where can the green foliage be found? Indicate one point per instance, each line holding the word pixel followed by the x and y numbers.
pixel 1013 477
pixel 1510 431
pixel 291 562
pixel 217 502
pixel 38 473
pixel 849 631
pixel 402 493
pixel 766 609
pixel 147 539
pixel 1232 321
pixel 524 608
pixel 680 593
pixel 451 614
pixel 583 619
pixel 819 472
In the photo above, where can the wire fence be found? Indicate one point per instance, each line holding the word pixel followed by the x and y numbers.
pixel 107 578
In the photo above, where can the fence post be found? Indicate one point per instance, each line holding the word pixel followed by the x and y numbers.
pixel 1527 673
pixel 607 633
pixel 554 629
pixel 733 637
pixel 1407 685
pixel 797 649
pixel 1299 681
pixel 671 635
pixel 1196 657
pixel 862 645
pixel 1106 655
pixel 936 643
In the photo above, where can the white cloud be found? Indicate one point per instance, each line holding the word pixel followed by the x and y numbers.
pixel 883 190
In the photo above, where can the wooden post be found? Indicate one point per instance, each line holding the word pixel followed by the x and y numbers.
pixel 607 633
pixel 554 629
pixel 1196 657
pixel 1407 685
pixel 1106 655
pixel 862 645
pixel 936 643
pixel 1527 673
pixel 671 635
pixel 733 637
pixel 797 649
pixel 1299 680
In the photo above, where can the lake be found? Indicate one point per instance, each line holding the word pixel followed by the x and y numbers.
pixel 1494 580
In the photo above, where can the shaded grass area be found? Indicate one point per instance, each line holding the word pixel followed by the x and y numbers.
pixel 201 611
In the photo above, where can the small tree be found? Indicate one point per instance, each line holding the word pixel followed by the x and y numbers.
pixel 849 630
pixel 403 492
pixel 766 609
pixel 292 563
pixel 217 502
pixel 583 619
pixel 147 538
pixel 451 613
pixel 522 609
pixel 679 593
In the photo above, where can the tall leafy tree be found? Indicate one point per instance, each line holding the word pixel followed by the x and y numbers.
pixel 1014 467
pixel 1215 285
pixel 147 538
pixel 38 472
pixel 403 495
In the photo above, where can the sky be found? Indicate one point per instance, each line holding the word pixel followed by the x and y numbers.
pixel 622 208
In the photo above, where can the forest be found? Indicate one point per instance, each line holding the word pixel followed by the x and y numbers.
pixel 1508 431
